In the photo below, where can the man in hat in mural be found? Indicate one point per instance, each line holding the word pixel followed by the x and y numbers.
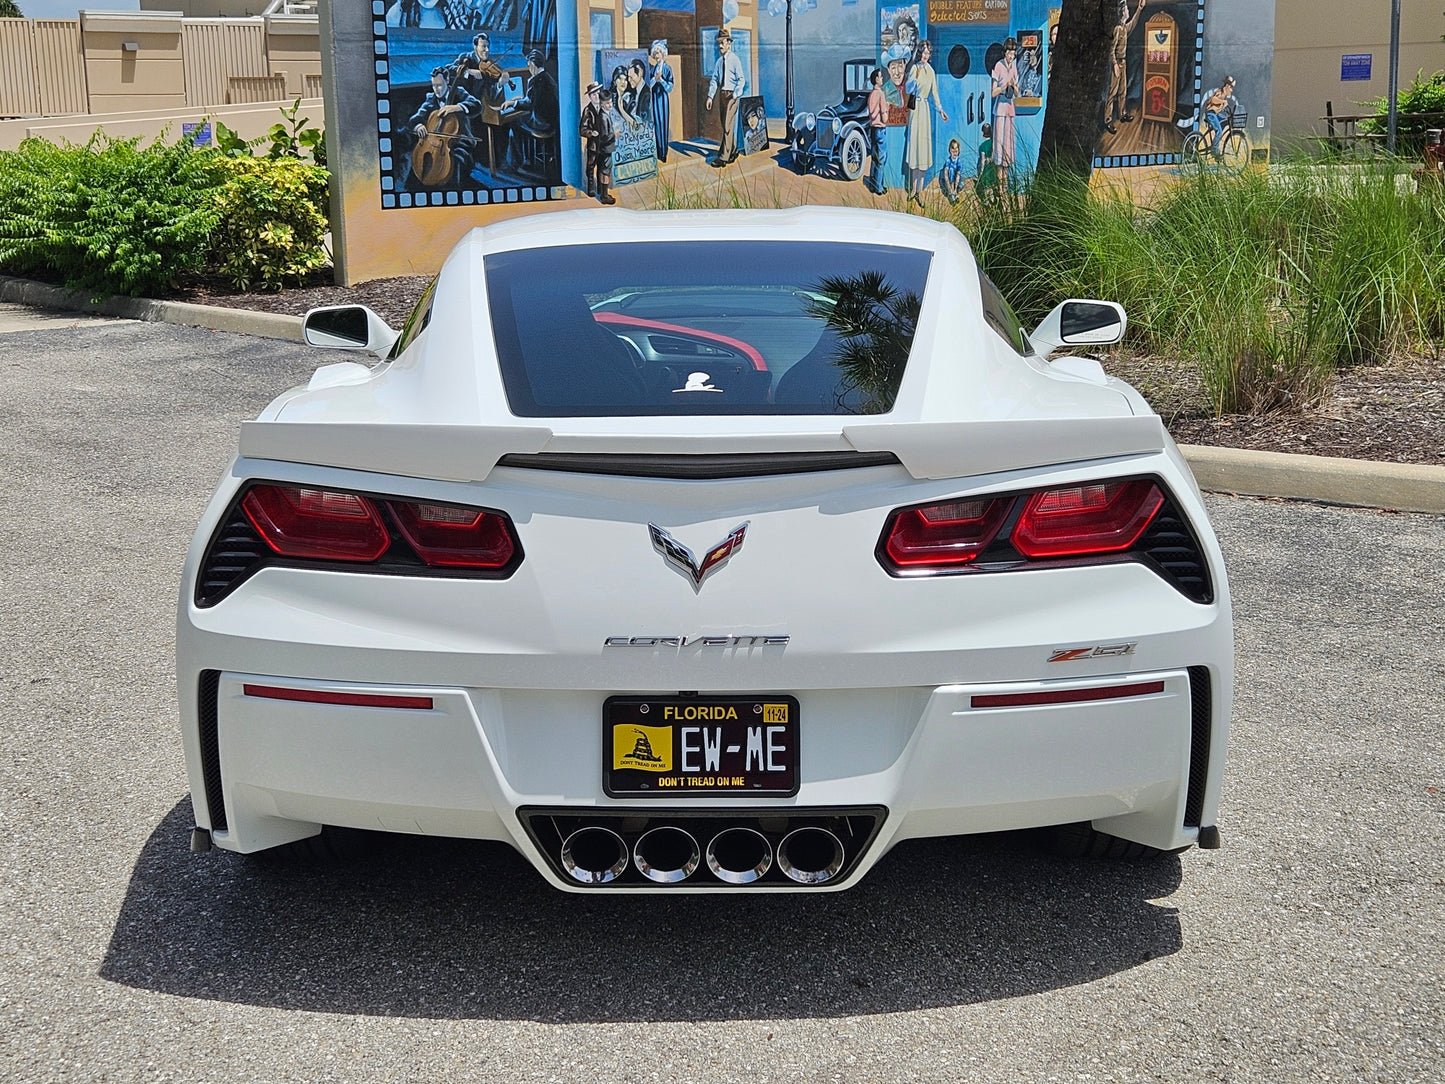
pixel 729 80
pixel 596 129
pixel 1116 107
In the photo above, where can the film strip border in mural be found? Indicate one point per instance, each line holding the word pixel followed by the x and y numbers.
pixel 466 115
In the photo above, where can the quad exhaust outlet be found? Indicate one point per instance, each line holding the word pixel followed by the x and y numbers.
pixel 634 849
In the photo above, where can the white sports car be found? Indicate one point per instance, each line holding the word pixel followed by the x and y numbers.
pixel 708 551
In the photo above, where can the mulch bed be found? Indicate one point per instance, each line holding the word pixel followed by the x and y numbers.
pixel 1393 413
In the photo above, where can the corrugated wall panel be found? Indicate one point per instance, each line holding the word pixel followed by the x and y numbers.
pixel 217 50
pixel 61 62
pixel 19 92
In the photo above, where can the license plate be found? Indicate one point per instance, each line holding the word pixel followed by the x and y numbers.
pixel 699 746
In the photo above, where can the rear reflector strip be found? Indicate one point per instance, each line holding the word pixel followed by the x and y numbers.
pixel 1065 696
pixel 353 700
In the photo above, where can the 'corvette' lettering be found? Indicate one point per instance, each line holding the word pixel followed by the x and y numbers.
pixel 696 641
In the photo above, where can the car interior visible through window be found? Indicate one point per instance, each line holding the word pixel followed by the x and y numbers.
pixel 704 327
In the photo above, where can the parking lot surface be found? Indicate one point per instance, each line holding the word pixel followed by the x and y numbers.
pixel 1311 947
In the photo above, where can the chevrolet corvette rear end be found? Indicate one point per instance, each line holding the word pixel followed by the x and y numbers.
pixel 695 552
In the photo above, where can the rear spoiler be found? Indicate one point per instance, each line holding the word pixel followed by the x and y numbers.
pixel 469 453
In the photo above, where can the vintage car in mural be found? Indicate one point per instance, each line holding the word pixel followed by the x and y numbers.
pixel 707 551
pixel 837 135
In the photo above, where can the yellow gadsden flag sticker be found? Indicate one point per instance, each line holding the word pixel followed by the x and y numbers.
pixel 648 748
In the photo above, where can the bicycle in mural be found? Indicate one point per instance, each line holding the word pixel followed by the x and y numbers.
pixel 1235 151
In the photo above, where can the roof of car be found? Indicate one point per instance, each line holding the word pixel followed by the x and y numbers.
pixel 851 225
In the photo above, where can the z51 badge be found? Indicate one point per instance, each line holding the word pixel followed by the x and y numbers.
pixel 1099 651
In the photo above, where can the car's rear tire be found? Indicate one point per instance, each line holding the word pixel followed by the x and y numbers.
pixel 1082 840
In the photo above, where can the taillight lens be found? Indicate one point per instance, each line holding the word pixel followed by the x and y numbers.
pixel 451 536
pixel 317 523
pixel 1086 519
pixel 944 535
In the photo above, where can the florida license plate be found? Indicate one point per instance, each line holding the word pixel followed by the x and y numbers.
pixel 699 746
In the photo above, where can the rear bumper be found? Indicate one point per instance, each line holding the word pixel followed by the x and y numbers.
pixel 1138 766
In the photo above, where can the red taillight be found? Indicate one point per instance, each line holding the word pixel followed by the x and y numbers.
pixel 943 535
pixel 1095 518
pixel 317 523
pixel 451 536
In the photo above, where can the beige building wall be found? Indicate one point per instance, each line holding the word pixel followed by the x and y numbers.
pixel 293 46
pixel 217 50
pixel 1311 37
pixel 109 62
pixel 133 60
pixel 42 70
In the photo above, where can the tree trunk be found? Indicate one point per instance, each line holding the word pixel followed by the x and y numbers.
pixel 1081 69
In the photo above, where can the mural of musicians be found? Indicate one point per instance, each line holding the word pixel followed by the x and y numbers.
pixel 728 82
pixel 599 139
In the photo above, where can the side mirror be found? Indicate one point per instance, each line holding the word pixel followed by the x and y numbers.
pixel 348 327
pixel 1080 323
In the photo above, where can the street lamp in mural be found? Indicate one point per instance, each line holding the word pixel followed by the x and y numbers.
pixel 785 7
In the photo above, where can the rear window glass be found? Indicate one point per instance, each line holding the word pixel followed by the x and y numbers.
pixel 704 327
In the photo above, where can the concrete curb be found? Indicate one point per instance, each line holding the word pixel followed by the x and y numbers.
pixel 1403 487
pixel 266 325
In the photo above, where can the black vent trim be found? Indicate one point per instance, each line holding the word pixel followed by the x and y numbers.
pixel 211 747
pixel 1171 548
pixel 700 467
pixel 1201 702
pixel 235 553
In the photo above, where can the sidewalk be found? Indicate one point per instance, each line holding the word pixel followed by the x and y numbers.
pixel 1361 483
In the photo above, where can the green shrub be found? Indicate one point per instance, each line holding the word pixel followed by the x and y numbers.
pixel 1425 94
pixel 109 216
pixel 272 221
pixel 1267 282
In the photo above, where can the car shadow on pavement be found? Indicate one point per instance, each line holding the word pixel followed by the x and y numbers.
pixel 459 929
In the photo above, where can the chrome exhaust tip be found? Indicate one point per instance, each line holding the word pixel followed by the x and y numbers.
pixel 810 856
pixel 666 854
pixel 594 855
pixel 739 856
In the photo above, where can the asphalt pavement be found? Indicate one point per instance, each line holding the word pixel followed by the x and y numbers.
pixel 1309 947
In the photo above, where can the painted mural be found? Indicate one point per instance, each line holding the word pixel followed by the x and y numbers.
pixel 501 102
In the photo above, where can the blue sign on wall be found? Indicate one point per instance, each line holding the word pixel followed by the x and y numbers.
pixel 1355 67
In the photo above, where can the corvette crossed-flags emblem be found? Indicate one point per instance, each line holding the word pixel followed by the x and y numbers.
pixel 679 555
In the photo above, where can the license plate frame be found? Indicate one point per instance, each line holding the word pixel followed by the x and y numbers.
pixel 729 746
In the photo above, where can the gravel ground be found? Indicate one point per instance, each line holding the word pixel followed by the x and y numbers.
pixel 1393 412
pixel 1309 948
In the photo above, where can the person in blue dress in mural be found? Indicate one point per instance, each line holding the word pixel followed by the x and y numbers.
pixel 660 81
